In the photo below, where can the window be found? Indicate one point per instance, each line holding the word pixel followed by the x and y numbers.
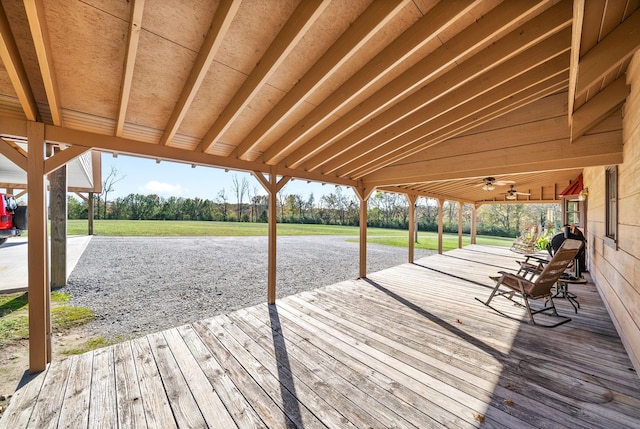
pixel 572 210
pixel 611 203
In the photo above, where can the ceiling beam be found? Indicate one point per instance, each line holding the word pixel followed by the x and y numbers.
pixel 470 116
pixel 418 35
pixel 426 105
pixel 13 153
pixel 606 56
pixel 601 149
pixel 40 36
pixel 135 26
pixel 220 24
pixel 599 107
pixel 89 140
pixel 433 66
pixel 296 27
pixel 576 37
pixel 10 57
pixel 366 26
pixel 401 190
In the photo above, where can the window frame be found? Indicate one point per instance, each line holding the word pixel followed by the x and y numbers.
pixel 611 199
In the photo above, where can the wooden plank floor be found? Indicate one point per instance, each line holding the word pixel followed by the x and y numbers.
pixel 407 347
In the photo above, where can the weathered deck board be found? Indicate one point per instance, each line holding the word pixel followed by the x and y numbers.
pixel 407 347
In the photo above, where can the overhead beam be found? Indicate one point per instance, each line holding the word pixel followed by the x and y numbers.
pixel 133 147
pixel 14 153
pixel 10 57
pixel 220 24
pixel 599 107
pixel 433 66
pixel 135 26
pixel 517 75
pixel 449 126
pixel 592 150
pixel 420 193
pixel 422 32
pixel 296 27
pixel 366 26
pixel 40 36
pixel 606 56
pixel 576 38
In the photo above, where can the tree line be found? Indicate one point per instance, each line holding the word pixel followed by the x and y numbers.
pixel 385 210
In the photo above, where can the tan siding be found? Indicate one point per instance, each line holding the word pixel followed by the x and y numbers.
pixel 616 271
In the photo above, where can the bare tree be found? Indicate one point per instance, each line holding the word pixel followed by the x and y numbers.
pixel 222 200
pixel 240 188
pixel 108 186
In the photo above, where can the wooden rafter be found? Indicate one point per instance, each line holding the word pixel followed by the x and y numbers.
pixel 430 67
pixel 594 150
pixel 302 18
pixel 576 37
pixel 374 18
pixel 10 57
pixel 220 24
pixel 421 33
pixel 607 55
pixel 598 107
pixel 135 26
pixel 40 35
pixel 471 115
pixel 465 83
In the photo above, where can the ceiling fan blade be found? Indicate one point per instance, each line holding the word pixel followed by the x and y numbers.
pixel 504 182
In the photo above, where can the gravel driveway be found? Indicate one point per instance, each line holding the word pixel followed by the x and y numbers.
pixel 139 285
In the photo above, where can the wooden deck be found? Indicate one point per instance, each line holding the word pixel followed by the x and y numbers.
pixel 408 347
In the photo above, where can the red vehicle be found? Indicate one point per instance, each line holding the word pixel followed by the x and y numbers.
pixel 13 218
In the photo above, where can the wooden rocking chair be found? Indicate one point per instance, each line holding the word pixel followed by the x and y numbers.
pixel 526 242
pixel 509 285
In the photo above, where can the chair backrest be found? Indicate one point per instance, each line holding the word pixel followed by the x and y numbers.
pixel 554 269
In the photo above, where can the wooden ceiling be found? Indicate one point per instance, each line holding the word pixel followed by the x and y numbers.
pixel 421 97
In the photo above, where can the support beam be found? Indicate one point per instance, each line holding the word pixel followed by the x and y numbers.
pixel 576 37
pixel 90 214
pixel 58 214
pixel 474 224
pixel 459 225
pixel 363 194
pixel 272 186
pixel 14 153
pixel 411 198
pixel 62 157
pixel 38 285
pixel 440 224
pixel 599 107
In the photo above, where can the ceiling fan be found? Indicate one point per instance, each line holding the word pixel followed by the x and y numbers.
pixel 512 194
pixel 490 183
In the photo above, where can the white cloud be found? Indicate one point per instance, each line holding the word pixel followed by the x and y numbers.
pixel 168 189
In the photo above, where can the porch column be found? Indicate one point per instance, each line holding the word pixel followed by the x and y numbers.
pixel 459 225
pixel 412 225
pixel 440 224
pixel 272 186
pixel 363 194
pixel 90 214
pixel 38 285
pixel 474 207
pixel 58 207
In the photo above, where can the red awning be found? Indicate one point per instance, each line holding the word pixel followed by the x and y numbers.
pixel 574 188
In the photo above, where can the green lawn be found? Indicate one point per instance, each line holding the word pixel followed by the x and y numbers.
pixel 152 228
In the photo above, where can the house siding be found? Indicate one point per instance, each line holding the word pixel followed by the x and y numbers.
pixel 615 268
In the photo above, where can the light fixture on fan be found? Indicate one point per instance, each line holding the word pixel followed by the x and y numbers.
pixel 512 194
pixel 490 183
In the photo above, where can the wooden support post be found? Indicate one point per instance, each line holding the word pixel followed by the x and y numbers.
pixel 58 214
pixel 38 285
pixel 412 225
pixel 440 224
pixel 459 225
pixel 272 186
pixel 363 194
pixel 474 225
pixel 90 214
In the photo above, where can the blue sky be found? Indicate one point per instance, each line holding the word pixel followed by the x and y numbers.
pixel 166 179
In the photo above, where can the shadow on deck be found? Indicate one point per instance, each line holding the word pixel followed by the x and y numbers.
pixel 407 347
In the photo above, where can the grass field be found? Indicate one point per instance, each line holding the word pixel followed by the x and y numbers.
pixel 152 228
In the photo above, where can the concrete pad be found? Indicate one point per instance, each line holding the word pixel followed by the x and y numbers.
pixel 13 261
